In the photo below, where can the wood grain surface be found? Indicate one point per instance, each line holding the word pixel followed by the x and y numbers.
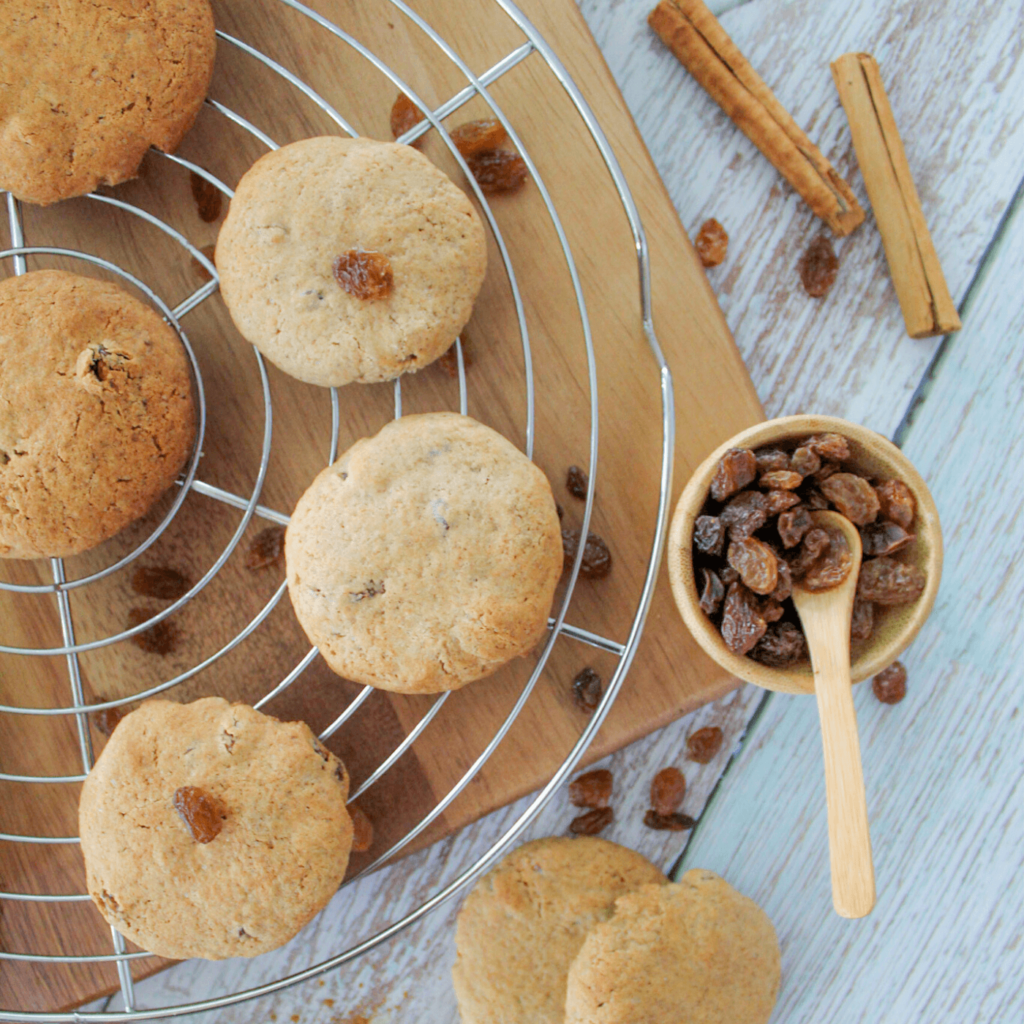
pixel 714 395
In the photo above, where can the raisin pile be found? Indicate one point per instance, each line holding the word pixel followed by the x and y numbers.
pixel 755 536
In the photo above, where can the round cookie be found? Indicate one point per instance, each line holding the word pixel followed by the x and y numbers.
pixel 96 412
pixel 299 208
pixel 90 87
pixel 697 951
pixel 525 921
pixel 426 556
pixel 284 833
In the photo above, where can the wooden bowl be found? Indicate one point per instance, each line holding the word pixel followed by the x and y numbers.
pixel 894 626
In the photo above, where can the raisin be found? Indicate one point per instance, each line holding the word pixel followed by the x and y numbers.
pixel 883 538
pixel 712 592
pixel 814 543
pixel 783 644
pixel 853 496
pixel 896 502
pixel 832 566
pixel 449 360
pixel 814 499
pixel 363 273
pixel 586 690
pixel 106 719
pixel 362 829
pixel 862 624
pixel 497 171
pixel 709 535
pixel 266 548
pixel 702 745
pixel 742 625
pixel 890 685
pixel 745 513
pixel 829 446
pixel 669 822
pixel 887 582
pixel 780 501
pixel 592 789
pixel 161 638
pixel 576 482
pixel 209 199
pixel 209 251
pixel 771 460
pixel 793 525
pixel 780 480
pixel 736 468
pixel 756 563
pixel 559 511
pixel 785 585
pixel 728 575
pixel 827 470
pixel 667 791
pixel 404 114
pixel 806 461
pixel 155 581
pixel 711 243
pixel 818 267
pixel 597 559
pixel 203 813
pixel 771 610
pixel 475 136
pixel 592 822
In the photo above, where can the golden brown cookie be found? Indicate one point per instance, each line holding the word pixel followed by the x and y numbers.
pixel 697 952
pixel 89 87
pixel 526 920
pixel 96 412
pixel 425 557
pixel 350 260
pixel 268 841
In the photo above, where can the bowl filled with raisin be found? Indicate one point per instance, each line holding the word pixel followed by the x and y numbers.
pixel 744 530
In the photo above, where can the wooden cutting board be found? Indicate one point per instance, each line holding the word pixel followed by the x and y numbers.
pixel 714 398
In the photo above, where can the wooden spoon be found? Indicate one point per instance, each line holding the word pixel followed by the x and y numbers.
pixel 825 616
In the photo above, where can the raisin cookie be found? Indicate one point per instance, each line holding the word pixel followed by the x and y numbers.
pixel 697 951
pixel 89 87
pixel 211 830
pixel 349 260
pixel 426 556
pixel 525 921
pixel 96 412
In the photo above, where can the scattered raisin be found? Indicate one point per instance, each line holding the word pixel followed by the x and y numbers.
pixel 404 114
pixel 806 461
pixel 669 822
pixel 476 136
pixel 735 470
pixel 449 360
pixel 266 548
pixel 814 543
pixel 209 251
pixel 756 564
pixel 709 535
pixel 106 719
pixel 896 502
pixel 829 446
pixel 711 243
pixel 793 525
pixel 771 460
pixel 780 480
pixel 783 644
pixel 364 273
pixel 208 197
pixel 712 592
pixel 597 559
pixel 742 625
pixel 745 513
pixel 832 566
pixel 887 582
pixel 156 581
pixel 592 822
pixel 586 690
pixel 890 685
pixel 576 482
pixel 702 745
pixel 592 789
pixel 780 501
pixel 497 171
pixel 161 638
pixel 862 624
pixel 362 829
pixel 853 496
pixel 883 538
pixel 203 813
pixel 818 267
pixel 667 791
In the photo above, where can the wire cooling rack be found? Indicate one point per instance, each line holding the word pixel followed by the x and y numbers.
pixel 60 588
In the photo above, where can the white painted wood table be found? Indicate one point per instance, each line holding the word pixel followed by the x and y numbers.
pixel 944 767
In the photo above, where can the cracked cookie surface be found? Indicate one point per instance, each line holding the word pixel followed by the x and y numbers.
pixel 300 209
pixel 89 87
pixel 275 859
pixel 96 412
pixel 426 556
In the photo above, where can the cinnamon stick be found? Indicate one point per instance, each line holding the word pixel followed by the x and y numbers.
pixel 694 35
pixel 913 263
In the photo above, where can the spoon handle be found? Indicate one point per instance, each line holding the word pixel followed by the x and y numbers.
pixel 853 872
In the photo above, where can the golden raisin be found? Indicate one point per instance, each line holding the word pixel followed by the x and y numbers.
pixel 818 267
pixel 780 480
pixel 736 468
pixel 886 581
pixel 208 197
pixel 497 171
pixel 702 745
pixel 203 813
pixel 853 496
pixel 832 566
pixel 667 790
pixel 742 624
pixel 592 789
pixel 266 548
pixel 756 563
pixel 476 136
pixel 711 243
pixel 404 114
pixel 896 502
pixel 364 273
pixel 159 582
pixel 890 685
pixel 362 829
pixel 592 822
